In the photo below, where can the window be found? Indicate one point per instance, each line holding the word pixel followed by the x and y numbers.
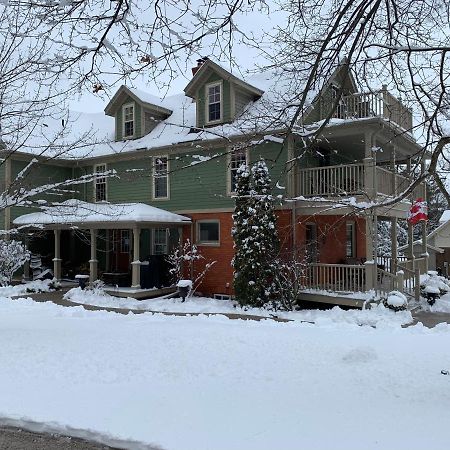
pixel 160 236
pixel 128 121
pixel 214 103
pixel 237 159
pixel 124 241
pixel 100 183
pixel 208 232
pixel 311 242
pixel 350 246
pixel 160 177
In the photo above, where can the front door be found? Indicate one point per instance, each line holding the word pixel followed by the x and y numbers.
pixel 121 251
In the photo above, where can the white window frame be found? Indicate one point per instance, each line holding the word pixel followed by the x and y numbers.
pixel 155 244
pixel 229 169
pixel 351 224
pixel 207 243
pixel 154 176
pixel 207 87
pixel 127 105
pixel 105 182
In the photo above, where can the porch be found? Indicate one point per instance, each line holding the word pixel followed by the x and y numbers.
pixel 364 105
pixel 119 228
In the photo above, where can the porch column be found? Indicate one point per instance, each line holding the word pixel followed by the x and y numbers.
pixel 370 260
pixel 410 241
pixel 26 265
pixel 57 258
pixel 136 264
pixel 394 245
pixel 93 262
pixel 425 244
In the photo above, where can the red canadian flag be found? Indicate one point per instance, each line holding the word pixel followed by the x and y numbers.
pixel 418 211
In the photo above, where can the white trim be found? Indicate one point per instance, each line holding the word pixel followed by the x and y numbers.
pixel 207 86
pixel 197 233
pixel 228 168
pixel 127 105
pixel 167 178
pixel 95 183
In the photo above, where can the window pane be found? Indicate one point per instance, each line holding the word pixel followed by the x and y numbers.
pixel 238 158
pixel 350 241
pixel 160 241
pixel 208 231
pixel 128 121
pixel 214 103
pixel 160 180
pixel 100 184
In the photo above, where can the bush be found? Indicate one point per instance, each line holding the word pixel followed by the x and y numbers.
pixel 13 256
pixel 396 301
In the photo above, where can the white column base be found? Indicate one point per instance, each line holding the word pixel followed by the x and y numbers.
pixel 57 268
pixel 136 274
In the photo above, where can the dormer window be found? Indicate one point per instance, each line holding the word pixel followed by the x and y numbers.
pixel 128 121
pixel 214 102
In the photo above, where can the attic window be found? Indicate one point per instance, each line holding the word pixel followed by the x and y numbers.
pixel 214 102
pixel 128 121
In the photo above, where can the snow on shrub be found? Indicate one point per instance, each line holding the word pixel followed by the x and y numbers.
pixel 396 301
pixel 13 255
pixel 432 283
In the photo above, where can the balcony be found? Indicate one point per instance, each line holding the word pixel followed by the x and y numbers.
pixel 358 179
pixel 372 104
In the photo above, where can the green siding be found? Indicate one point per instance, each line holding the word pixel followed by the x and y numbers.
pixel 193 185
pixel 39 175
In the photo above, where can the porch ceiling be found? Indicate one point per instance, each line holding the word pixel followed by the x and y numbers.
pixel 78 214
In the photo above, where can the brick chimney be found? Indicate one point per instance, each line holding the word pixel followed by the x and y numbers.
pixel 199 64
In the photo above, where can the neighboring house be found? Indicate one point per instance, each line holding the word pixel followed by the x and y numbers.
pixel 180 155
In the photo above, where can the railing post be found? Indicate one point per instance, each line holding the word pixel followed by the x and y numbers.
pixel 417 283
pixel 370 275
pixel 400 281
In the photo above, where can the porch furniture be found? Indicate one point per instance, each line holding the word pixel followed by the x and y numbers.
pixel 82 280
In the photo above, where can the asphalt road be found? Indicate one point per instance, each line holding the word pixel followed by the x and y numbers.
pixel 17 439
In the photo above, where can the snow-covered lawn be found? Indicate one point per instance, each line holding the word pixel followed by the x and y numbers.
pixel 214 383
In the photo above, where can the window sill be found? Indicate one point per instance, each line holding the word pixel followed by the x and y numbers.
pixel 208 244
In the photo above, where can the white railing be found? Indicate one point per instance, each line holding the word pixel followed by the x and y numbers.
pixel 372 104
pixel 387 262
pixel 386 281
pixel 351 179
pixel 335 277
pixel 326 181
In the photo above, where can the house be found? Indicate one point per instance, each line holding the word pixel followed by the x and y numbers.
pixel 179 155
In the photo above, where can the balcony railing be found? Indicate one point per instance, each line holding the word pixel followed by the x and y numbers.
pixel 352 179
pixel 372 104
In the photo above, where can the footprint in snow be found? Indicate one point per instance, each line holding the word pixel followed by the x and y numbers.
pixel 360 355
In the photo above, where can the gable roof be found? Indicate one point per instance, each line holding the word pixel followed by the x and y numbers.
pixel 145 99
pixel 209 66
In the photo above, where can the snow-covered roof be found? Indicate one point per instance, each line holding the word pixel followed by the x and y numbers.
pixel 266 114
pixel 76 213
pixel 445 216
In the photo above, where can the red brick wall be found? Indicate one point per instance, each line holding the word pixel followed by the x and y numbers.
pixel 219 278
pixel 331 236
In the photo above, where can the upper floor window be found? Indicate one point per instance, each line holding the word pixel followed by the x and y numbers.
pixel 100 183
pixel 128 121
pixel 161 177
pixel 238 158
pixel 214 102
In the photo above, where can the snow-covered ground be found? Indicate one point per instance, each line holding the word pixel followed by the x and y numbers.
pixel 442 304
pixel 194 383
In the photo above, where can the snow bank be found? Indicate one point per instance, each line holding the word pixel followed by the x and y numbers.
pixel 20 289
pixel 376 316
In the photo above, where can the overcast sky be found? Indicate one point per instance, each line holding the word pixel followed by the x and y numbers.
pixel 246 58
